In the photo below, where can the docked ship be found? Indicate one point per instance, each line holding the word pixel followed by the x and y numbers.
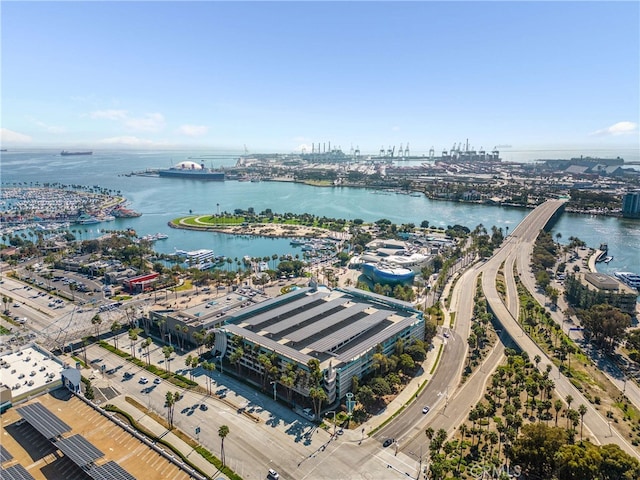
pixel 192 170
pixel 629 278
pixel 66 153
pixel 152 237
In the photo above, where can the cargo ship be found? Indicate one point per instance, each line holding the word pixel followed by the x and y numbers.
pixel 66 153
pixel 192 170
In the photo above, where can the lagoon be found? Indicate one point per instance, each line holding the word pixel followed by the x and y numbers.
pixel 162 199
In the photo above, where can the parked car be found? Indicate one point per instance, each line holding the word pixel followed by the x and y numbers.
pixel 157 381
pixel 143 380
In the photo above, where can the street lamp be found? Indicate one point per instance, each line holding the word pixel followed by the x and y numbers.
pixel 274 390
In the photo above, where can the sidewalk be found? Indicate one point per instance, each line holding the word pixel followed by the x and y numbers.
pixel 408 394
pixel 158 430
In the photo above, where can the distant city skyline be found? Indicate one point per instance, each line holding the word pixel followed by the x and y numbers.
pixel 283 76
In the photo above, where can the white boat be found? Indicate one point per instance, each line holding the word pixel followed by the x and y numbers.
pixel 629 278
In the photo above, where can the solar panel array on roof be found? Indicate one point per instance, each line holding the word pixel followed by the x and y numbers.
pixel 311 321
pixel 352 330
pixel 5 456
pixel 285 315
pixel 43 420
pixel 269 344
pixel 281 310
pixel 260 306
pixel 79 450
pixel 15 472
pixel 326 322
pixel 110 471
pixel 307 314
pixel 330 330
pixel 370 342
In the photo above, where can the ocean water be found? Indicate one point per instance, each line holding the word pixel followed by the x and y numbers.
pixel 162 199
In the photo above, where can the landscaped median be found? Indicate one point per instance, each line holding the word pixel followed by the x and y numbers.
pixel 177 380
pixel 208 456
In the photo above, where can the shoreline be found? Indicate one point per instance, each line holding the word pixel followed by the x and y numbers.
pixel 269 230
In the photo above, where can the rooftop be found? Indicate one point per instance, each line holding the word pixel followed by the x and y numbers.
pixel 306 324
pixel 28 370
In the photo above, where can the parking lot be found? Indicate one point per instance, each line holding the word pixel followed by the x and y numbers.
pixel 42 459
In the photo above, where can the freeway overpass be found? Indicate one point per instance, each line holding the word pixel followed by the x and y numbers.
pixel 450 402
pixel 518 248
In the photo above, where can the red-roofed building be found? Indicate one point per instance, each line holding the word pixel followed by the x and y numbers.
pixel 141 283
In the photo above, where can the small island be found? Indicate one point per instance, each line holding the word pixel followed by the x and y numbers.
pixel 268 224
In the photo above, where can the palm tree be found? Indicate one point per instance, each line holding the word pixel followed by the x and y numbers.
pixel 147 344
pixel 115 327
pixel 582 409
pixel 569 400
pixel 557 406
pixel 167 351
pixel 170 402
pixel 208 367
pixel 179 335
pixel 85 342
pixel 6 300
pixel 133 336
pixel 235 358
pixel 187 363
pixel 223 431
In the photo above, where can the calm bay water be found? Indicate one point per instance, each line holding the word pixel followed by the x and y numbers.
pixel 162 199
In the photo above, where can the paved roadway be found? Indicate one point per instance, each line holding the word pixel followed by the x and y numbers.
pixel 519 245
pixel 630 388
pixel 314 456
pixel 57 324
pixel 451 405
pixel 282 440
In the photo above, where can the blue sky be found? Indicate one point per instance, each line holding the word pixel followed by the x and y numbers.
pixel 281 76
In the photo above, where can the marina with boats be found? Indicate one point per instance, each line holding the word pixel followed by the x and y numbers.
pixel 161 201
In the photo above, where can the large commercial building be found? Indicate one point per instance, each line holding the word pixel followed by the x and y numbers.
pixel 631 204
pixel 28 372
pixel 342 329
pixel 588 289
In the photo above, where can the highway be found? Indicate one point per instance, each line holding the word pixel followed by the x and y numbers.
pixel 519 246
pixel 452 402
